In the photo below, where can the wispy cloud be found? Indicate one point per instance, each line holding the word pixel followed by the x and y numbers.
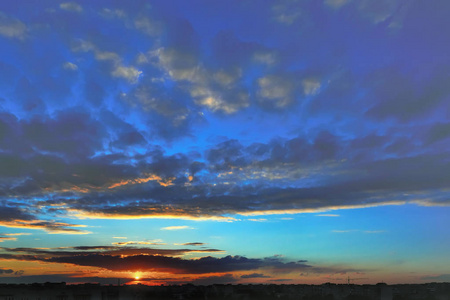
pixel 258 220
pixel 191 244
pixel 356 230
pixel 328 215
pixel 176 227
pixel 11 236
pixel 138 243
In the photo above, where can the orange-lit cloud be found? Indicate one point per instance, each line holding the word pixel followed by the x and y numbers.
pixel 11 236
pixel 148 213
pixel 161 181
pixel 52 227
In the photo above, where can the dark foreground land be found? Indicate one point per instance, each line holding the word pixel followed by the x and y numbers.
pixel 327 291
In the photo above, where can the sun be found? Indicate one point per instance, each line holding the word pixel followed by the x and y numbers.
pixel 137 276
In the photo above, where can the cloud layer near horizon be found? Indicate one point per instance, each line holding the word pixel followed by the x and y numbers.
pixel 133 259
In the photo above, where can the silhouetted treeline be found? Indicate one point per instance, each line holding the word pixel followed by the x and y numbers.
pixel 328 291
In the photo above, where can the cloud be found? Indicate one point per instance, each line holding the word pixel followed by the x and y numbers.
pixel 7 238
pixel 6 271
pixel 71 6
pixel 176 228
pixel 254 275
pixel 353 192
pixel 52 227
pixel 15 217
pixel 166 115
pixel 280 280
pixel 209 280
pixel 70 66
pixel 116 66
pixel 355 230
pixel 287 11
pixel 11 27
pixel 437 278
pixel 148 25
pixel 116 258
pixel 402 97
pixel 217 90
pixel 438 132
pixel 378 11
pixel 137 243
pixel 276 91
pixel 311 86
pixel 115 250
pixel 129 73
pixel 192 244
pixel 336 3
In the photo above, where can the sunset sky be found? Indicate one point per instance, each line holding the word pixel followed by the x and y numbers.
pixel 234 141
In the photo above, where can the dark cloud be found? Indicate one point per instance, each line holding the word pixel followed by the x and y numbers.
pixel 362 183
pixel 439 132
pixel 112 251
pixel 6 271
pixel 18 217
pixel 254 275
pixel 8 214
pixel 151 263
pixel 193 244
pixel 147 259
pixel 209 280
pixel 402 96
pixel 280 280
pixel 437 278
pixel 230 50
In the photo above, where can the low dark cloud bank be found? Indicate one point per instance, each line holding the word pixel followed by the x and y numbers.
pixel 117 258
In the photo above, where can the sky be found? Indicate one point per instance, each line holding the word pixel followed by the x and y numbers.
pixel 238 141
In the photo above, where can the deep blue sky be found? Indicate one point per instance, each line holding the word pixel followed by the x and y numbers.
pixel 225 141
